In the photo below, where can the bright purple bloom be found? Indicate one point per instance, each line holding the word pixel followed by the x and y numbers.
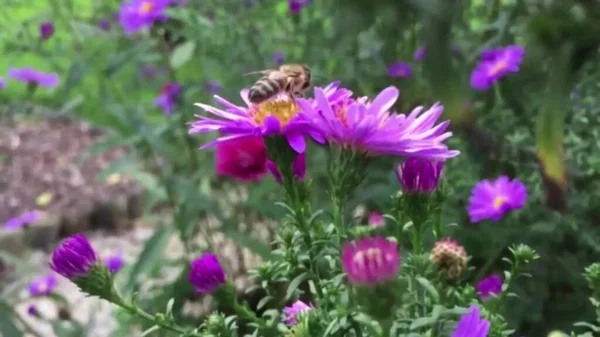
pixel 472 325
pixel 168 96
pixel 207 274
pixel 493 199
pixel 243 159
pixel 491 285
pixel 370 127
pixel 292 312
pixel 278 58
pixel 46 30
pixel 104 24
pixel 74 257
pixel 419 53
pixel 298 168
pixel 34 77
pixel 418 175
pixel 399 69
pixel 495 64
pixel 139 14
pixel 296 6
pixel 370 261
pixel 212 86
pixel 280 115
pixel 376 219
pixel 22 220
pixel 43 286
pixel 114 262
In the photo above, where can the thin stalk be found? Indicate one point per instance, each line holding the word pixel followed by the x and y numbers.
pixel 134 310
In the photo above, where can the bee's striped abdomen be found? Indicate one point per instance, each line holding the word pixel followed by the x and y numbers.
pixel 265 88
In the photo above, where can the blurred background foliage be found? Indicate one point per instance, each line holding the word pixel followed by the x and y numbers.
pixel 539 124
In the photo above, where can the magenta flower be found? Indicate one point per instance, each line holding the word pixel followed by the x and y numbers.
pixel 399 69
pixel 34 77
pixel 495 64
pixel 278 58
pixel 212 86
pixel 493 199
pixel 376 219
pixel 298 168
pixel 296 6
pixel 207 274
pixel 33 311
pixel 135 15
pixel 43 286
pixel 472 325
pixel 277 116
pixel 292 312
pixel 242 159
pixel 22 220
pixel 419 176
pixel 46 30
pixel 74 257
pixel 368 126
pixel 370 261
pixel 491 285
pixel 114 262
pixel 168 97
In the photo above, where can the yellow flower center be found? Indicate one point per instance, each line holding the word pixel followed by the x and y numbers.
pixel 499 201
pixel 282 109
pixel 146 7
pixel 498 67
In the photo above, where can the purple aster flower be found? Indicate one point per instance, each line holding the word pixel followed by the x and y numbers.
pixel 34 77
pixel 472 325
pixel 493 199
pixel 114 262
pixel 43 286
pixel 207 274
pixel 104 24
pixel 298 168
pixel 46 30
pixel 419 53
pixel 495 64
pixel 33 311
pixel 278 58
pixel 279 115
pixel 212 86
pixel 491 285
pixel 139 14
pixel 296 6
pixel 22 220
pixel 368 126
pixel 168 96
pixel 74 257
pixel 400 70
pixel 370 261
pixel 292 312
pixel 418 175
pixel 376 219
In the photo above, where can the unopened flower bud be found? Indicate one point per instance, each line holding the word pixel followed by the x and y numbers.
pixel 419 176
pixel 371 261
pixel 450 257
pixel 207 274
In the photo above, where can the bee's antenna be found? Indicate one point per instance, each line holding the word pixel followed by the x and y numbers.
pixel 262 72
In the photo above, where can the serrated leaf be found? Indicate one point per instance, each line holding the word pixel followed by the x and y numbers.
pixel 295 284
pixel 429 288
pixel 182 54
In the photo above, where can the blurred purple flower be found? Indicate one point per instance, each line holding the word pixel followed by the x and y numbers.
pixel 495 64
pixel 292 312
pixel 400 69
pixel 104 24
pixel 493 199
pixel 148 71
pixel 419 53
pixel 33 311
pixel 2 83
pixel 296 6
pixel 207 274
pixel 376 219
pixel 34 77
pixel 74 257
pixel 135 15
pixel 370 261
pixel 298 168
pixel 114 262
pixel 168 96
pixel 472 325
pixel 242 159
pixel 212 87
pixel 43 286
pixel 278 58
pixel 22 220
pixel 46 30
pixel 419 176
pixel 491 285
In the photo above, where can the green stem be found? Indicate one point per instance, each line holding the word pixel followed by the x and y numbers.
pixel 134 310
pixel 417 237
pixel 437 226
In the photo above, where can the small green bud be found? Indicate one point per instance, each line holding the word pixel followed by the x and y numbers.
pixel 98 282
pixel 524 254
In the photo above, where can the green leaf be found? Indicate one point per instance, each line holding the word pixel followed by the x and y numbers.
pixel 429 288
pixel 75 75
pixel 182 54
pixel 7 324
pixel 295 284
pixel 422 322
pixel 264 301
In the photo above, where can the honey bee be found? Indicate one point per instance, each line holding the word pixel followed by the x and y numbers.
pixel 290 78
